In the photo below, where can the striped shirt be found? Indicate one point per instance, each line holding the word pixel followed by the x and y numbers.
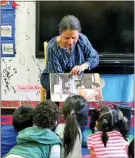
pixel 115 148
pixel 60 61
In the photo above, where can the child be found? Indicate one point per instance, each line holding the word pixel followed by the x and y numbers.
pixel 38 141
pixel 111 140
pixel 75 110
pixel 22 118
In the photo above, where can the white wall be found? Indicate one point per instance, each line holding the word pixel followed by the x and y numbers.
pixel 24 68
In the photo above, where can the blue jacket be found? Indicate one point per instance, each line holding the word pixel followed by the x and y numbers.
pixel 8 138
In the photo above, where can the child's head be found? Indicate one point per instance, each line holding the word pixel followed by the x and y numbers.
pixel 109 119
pixel 23 117
pixel 76 105
pixel 75 110
pixel 46 114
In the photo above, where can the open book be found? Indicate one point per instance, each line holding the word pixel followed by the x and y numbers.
pixel 63 85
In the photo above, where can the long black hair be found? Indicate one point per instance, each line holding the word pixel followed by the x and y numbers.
pixel 109 119
pixel 75 110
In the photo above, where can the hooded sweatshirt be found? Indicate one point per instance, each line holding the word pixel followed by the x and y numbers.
pixel 34 142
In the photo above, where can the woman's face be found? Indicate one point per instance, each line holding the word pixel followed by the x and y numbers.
pixel 69 38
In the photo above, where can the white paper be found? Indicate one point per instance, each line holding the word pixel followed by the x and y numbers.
pixel 56 89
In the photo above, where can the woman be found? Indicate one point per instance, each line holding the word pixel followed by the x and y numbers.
pixel 71 51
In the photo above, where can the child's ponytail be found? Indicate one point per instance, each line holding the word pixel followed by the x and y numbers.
pixel 70 133
pixel 75 110
pixel 104 126
pixel 104 138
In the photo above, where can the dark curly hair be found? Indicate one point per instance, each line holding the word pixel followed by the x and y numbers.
pixel 23 117
pixel 46 114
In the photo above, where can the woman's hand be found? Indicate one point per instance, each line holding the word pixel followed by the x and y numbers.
pixel 78 69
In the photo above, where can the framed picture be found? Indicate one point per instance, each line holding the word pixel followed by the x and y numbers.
pixel 7 48
pixel 6 31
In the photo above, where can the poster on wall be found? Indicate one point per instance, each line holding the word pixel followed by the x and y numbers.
pixel 6 31
pixel 7 28
pixel 7 48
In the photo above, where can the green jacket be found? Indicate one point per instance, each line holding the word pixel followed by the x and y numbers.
pixel 34 142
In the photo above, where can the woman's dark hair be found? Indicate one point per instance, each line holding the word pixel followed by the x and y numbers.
pixel 23 117
pixel 46 114
pixel 75 110
pixel 131 149
pixel 108 119
pixel 69 22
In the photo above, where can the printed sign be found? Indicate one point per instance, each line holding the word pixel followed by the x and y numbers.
pixel 29 87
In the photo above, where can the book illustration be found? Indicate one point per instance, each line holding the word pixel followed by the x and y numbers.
pixel 86 85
